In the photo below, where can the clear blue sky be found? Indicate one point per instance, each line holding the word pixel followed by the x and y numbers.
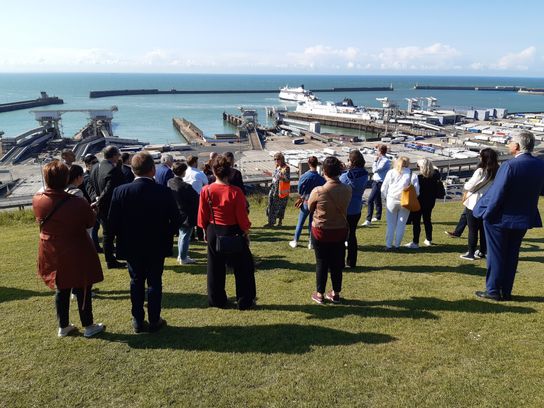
pixel 343 37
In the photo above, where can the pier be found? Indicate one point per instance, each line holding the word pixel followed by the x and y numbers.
pixel 478 88
pixel 359 124
pixel 43 100
pixel 131 92
pixel 189 131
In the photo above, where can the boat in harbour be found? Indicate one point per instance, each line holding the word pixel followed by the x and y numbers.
pixel 344 109
pixel 297 94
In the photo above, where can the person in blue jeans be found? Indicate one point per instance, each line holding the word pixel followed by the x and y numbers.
pixel 308 181
pixel 380 167
pixel 356 177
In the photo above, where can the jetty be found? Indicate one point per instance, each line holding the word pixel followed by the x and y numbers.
pixel 131 92
pixel 43 100
pixel 359 124
pixel 500 88
pixel 189 131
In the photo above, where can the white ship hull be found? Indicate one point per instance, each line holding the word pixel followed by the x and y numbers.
pixel 336 111
pixel 296 94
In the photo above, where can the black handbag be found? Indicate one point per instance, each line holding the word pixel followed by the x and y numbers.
pixel 226 244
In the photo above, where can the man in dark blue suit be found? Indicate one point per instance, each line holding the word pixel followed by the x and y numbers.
pixel 164 171
pixel 508 209
pixel 144 217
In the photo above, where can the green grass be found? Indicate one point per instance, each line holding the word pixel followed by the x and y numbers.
pixel 410 333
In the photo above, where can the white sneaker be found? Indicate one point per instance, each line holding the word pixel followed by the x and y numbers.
pixel 427 242
pixel 366 223
pixel 412 245
pixel 94 329
pixel 178 260
pixel 188 261
pixel 73 297
pixel 375 219
pixel 310 246
pixel 293 244
pixel 66 330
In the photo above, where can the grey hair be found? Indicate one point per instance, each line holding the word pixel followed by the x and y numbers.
pixel 426 167
pixel 525 141
pixel 167 158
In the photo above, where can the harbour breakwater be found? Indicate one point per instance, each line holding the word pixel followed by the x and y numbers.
pixel 131 92
pixel 477 88
pixel 44 100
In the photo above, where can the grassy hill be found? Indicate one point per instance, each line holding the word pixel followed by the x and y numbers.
pixel 409 334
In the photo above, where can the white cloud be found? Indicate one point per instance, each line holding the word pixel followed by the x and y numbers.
pixel 434 56
pixel 519 61
pixel 322 56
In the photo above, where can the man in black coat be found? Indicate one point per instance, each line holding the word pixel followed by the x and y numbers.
pixel 144 218
pixel 105 176
pixel 126 169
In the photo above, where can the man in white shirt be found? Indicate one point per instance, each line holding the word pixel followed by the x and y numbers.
pixel 380 167
pixel 196 178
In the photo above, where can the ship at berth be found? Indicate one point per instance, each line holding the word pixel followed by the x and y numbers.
pixel 344 109
pixel 297 94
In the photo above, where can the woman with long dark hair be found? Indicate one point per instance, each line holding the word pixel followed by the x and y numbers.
pixel 329 204
pixel 278 197
pixel 223 212
pixel 475 188
pixel 356 177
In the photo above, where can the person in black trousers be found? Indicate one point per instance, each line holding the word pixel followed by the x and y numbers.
pixel 105 177
pixel 144 217
pixel 460 227
pixel 356 177
pixel 429 187
pixel 223 212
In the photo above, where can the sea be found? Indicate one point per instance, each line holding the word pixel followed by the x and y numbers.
pixel 149 117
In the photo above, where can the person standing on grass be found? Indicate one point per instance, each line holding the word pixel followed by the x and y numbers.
pixel 144 218
pixel 475 188
pixel 396 181
pixel 223 212
pixel 329 204
pixel 277 198
pixel 187 201
pixel 380 167
pixel 105 177
pixel 307 182
pixel 67 260
pixel 356 177
pixel 197 179
pixel 164 170
pixel 508 209
pixel 429 188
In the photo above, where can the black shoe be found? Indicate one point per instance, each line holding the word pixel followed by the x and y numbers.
pixel 507 297
pixel 155 327
pixel 452 234
pixel 99 250
pixel 140 327
pixel 116 265
pixel 485 295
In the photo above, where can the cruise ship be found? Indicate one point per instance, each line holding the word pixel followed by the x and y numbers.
pixel 297 94
pixel 344 109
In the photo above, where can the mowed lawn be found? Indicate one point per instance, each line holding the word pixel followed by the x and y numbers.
pixel 410 332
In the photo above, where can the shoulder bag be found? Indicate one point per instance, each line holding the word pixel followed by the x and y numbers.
pixel 53 211
pixel 226 244
pixel 408 198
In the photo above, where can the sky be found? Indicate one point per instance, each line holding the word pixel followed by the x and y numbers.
pixel 348 37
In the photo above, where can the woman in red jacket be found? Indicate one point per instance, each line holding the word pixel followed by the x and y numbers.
pixel 67 259
pixel 223 212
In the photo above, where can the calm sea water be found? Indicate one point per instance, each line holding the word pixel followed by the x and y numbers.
pixel 149 118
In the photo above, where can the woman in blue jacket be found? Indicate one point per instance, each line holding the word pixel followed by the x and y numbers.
pixel 356 177
pixel 308 181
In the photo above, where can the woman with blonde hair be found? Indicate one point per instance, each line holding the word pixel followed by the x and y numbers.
pixel 429 191
pixel 279 194
pixel 396 181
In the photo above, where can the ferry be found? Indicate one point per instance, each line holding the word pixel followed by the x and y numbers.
pixel 297 94
pixel 344 110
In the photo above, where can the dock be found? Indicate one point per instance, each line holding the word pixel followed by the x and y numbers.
pixel 498 88
pixel 189 131
pixel 131 92
pixel 43 100
pixel 359 124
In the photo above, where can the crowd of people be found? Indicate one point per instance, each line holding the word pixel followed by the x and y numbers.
pixel 141 207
